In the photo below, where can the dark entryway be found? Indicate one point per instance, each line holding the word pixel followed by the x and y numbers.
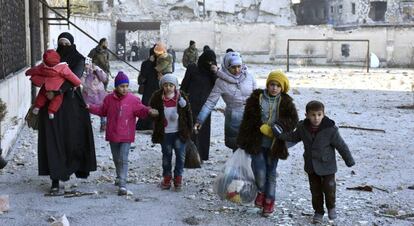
pixel 377 11
pixel 137 38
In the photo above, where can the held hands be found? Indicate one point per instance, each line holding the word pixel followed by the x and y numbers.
pixel 197 127
pixel 153 112
pixel 277 129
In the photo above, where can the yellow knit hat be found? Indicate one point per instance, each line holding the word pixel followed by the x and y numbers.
pixel 279 77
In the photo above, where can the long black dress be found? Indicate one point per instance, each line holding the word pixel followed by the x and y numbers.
pixel 65 143
pixel 149 78
pixel 198 83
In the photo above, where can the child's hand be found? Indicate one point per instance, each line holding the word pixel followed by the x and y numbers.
pixel 350 163
pixel 153 112
pixel 197 127
pixel 214 68
pixel 87 106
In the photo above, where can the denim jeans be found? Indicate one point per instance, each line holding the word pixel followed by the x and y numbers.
pixel 103 121
pixel 264 170
pixel 172 141
pixel 120 153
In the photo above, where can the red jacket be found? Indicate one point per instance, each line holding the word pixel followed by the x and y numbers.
pixel 52 77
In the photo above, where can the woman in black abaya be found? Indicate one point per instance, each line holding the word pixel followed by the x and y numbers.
pixel 65 143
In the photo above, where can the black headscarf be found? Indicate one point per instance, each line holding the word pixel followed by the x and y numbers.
pixel 206 59
pixel 69 54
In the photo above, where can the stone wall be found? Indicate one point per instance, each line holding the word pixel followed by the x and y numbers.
pixel 266 43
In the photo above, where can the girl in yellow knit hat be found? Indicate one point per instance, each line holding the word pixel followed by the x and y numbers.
pixel 264 108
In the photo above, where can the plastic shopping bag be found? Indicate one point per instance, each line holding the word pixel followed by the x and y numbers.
pixel 236 183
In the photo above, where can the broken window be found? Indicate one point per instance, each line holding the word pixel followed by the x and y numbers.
pixel 311 12
pixel 345 50
pixel 377 11
pixel 332 9
pixel 353 8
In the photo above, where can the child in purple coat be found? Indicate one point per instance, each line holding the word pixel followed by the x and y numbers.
pixel 93 80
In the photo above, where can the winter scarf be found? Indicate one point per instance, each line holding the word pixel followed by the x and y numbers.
pixel 185 121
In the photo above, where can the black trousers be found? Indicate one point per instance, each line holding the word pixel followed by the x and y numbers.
pixel 322 187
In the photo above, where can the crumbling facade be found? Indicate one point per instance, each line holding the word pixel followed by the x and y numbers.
pixel 371 12
pixel 280 12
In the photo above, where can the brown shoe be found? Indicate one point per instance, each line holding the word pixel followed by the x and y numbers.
pixel 166 183
pixel 178 182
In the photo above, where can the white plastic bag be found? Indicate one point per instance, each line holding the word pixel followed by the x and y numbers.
pixel 236 183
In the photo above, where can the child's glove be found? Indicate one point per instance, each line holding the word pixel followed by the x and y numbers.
pixel 277 129
pixel 182 102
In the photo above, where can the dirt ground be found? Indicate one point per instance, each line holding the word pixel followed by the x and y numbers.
pixel 384 161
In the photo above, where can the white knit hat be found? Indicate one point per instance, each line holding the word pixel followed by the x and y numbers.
pixel 169 78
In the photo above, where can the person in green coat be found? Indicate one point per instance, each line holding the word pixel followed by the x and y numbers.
pixel 190 55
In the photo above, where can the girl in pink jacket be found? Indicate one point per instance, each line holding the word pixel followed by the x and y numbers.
pixel 121 109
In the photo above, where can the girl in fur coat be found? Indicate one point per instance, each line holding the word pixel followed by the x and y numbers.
pixel 263 109
pixel 172 128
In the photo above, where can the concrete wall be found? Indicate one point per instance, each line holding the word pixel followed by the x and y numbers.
pixel 266 43
pixel 97 28
pixel 263 42
pixel 15 91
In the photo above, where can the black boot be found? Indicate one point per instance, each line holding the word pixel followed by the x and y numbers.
pixel 55 186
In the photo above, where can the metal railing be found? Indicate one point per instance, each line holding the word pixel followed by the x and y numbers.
pixel 84 32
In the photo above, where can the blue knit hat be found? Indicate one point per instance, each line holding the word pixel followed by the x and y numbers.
pixel 121 78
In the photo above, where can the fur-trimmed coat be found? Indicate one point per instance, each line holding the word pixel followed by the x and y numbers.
pixel 250 137
pixel 185 118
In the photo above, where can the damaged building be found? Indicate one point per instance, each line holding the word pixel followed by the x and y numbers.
pixel 371 12
pixel 280 12
pixel 259 29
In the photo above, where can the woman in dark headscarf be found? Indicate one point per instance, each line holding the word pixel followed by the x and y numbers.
pixel 148 78
pixel 198 82
pixel 65 143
